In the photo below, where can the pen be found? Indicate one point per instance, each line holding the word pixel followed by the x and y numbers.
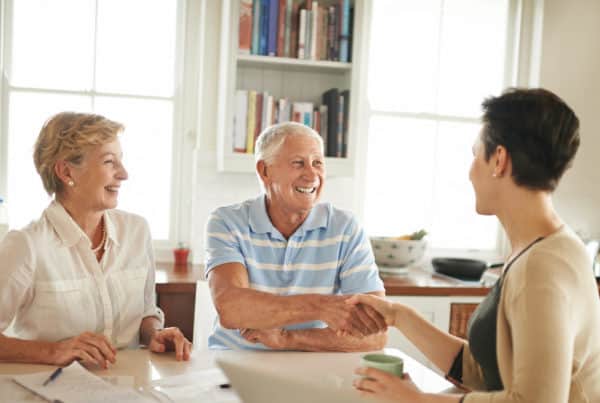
pixel 52 376
pixel 224 386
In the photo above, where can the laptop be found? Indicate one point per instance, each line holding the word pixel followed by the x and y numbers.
pixel 258 385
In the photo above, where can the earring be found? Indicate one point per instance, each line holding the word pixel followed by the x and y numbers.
pixel 494 175
pixel 71 183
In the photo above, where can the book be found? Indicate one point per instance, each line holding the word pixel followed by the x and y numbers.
pixel 302 34
pixel 273 25
pixel 294 30
pixel 264 27
pixel 281 28
pixel 240 121
pixel 344 29
pixel 346 116
pixel 314 30
pixel 251 122
pixel 303 113
pixel 259 118
pixel 323 129
pixel 339 139
pixel 331 99
pixel 245 27
pixel 332 33
pixel 288 27
pixel 256 6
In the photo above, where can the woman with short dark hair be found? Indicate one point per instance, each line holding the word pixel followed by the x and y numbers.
pixel 536 336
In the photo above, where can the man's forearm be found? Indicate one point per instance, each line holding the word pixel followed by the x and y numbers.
pixel 246 308
pixel 149 325
pixel 327 340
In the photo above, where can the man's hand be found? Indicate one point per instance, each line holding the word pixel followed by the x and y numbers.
pixel 88 348
pixel 171 339
pixel 360 320
pixel 272 338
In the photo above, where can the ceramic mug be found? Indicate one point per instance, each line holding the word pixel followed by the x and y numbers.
pixel 388 363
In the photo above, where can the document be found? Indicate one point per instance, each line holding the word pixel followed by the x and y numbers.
pixel 207 386
pixel 77 384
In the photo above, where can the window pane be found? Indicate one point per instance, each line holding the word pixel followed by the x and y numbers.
pixel 473 43
pixel 136 47
pixel 52 44
pixel 427 186
pixel 400 166
pixel 147 150
pixel 28 112
pixel 456 224
pixel 403 55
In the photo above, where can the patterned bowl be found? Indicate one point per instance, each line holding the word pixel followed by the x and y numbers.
pixel 397 252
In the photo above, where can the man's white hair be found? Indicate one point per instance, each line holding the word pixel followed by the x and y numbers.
pixel 271 139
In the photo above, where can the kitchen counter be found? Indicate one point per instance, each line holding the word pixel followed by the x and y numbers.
pixel 176 290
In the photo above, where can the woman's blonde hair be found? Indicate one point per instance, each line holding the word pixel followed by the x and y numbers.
pixel 68 136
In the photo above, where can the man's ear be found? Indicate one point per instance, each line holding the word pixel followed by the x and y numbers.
pixel 63 171
pixel 262 170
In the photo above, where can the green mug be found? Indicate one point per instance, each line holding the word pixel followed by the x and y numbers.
pixel 388 363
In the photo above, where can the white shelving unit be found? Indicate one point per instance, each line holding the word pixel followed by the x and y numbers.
pixel 295 79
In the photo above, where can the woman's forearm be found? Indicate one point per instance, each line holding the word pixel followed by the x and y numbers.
pixel 438 346
pixel 26 351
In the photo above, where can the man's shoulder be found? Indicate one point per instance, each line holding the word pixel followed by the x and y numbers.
pixel 340 220
pixel 236 210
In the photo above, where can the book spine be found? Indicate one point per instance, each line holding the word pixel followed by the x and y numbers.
pixel 308 34
pixel 331 99
pixel 264 26
pixel 346 117
pixel 259 117
pixel 314 31
pixel 294 30
pixel 301 34
pixel 339 140
pixel 273 25
pixel 331 33
pixel 344 28
pixel 288 27
pixel 240 121
pixel 251 127
pixel 245 27
pixel 323 129
pixel 256 5
pixel 281 29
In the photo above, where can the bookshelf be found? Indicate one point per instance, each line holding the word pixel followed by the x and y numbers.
pixel 299 80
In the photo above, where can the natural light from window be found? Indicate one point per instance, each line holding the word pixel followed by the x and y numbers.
pixel 83 56
pixel 431 64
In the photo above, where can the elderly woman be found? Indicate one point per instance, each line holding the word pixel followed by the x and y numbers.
pixel 536 336
pixel 79 282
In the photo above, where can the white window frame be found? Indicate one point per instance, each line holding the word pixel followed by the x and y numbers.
pixel 524 30
pixel 186 100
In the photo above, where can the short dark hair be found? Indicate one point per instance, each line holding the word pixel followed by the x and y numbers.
pixel 539 131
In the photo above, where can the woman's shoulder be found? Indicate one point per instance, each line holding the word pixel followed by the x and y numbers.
pixel 558 261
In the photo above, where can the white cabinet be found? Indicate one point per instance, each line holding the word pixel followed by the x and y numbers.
pixel 295 79
pixel 435 309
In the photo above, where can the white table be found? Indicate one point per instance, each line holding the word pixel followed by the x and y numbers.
pixel 146 367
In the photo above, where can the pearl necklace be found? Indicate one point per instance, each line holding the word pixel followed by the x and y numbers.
pixel 102 241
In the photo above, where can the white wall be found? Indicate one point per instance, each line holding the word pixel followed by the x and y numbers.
pixel 214 189
pixel 570 66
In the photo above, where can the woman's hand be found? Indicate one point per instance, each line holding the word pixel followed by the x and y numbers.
pixel 381 305
pixel 88 348
pixel 171 339
pixel 387 387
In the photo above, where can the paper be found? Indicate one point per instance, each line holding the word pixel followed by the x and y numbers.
pixel 199 386
pixel 76 384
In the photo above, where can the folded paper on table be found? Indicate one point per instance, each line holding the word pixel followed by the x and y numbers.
pixel 198 386
pixel 76 384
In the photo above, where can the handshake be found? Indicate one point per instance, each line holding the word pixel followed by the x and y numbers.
pixel 356 315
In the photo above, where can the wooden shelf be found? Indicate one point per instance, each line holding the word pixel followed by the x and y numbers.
pixel 289 63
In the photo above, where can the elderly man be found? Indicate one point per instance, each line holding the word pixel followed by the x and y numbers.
pixel 281 266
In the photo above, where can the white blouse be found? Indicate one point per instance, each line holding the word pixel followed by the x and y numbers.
pixel 53 287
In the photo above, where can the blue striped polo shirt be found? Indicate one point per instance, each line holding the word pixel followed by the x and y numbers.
pixel 328 254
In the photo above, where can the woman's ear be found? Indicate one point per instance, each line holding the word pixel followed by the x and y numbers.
pixel 62 169
pixel 502 161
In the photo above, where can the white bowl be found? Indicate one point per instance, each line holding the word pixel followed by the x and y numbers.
pixel 397 252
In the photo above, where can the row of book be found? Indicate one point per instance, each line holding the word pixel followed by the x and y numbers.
pixel 303 30
pixel 255 111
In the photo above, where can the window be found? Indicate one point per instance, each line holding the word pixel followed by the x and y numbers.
pixel 431 64
pixel 118 58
